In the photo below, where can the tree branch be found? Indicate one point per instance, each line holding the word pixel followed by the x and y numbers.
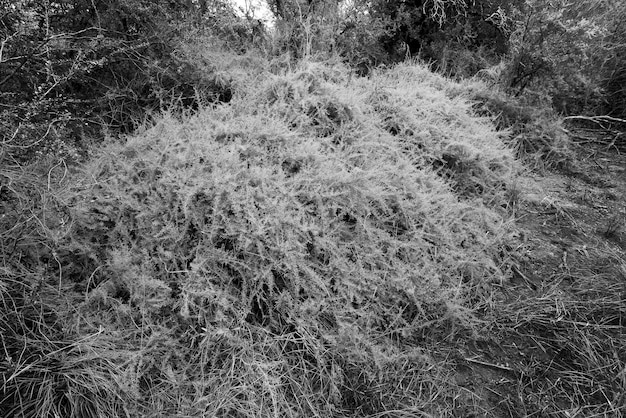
pixel 597 119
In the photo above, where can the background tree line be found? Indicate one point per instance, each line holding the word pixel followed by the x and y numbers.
pixel 75 70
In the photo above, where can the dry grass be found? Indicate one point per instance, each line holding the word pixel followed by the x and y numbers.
pixel 304 250
pixel 577 335
pixel 49 366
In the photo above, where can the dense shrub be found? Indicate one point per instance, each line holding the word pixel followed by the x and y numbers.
pixel 568 52
pixel 283 254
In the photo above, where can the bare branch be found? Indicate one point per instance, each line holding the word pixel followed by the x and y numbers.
pixel 597 119
pixel 3 44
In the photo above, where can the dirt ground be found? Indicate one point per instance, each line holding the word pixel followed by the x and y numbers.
pixel 556 346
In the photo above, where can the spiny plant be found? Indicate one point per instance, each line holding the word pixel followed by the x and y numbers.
pixel 286 254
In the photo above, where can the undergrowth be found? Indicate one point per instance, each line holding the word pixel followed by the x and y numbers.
pixel 529 123
pixel 301 250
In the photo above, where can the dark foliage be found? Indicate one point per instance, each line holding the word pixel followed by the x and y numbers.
pixel 77 69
